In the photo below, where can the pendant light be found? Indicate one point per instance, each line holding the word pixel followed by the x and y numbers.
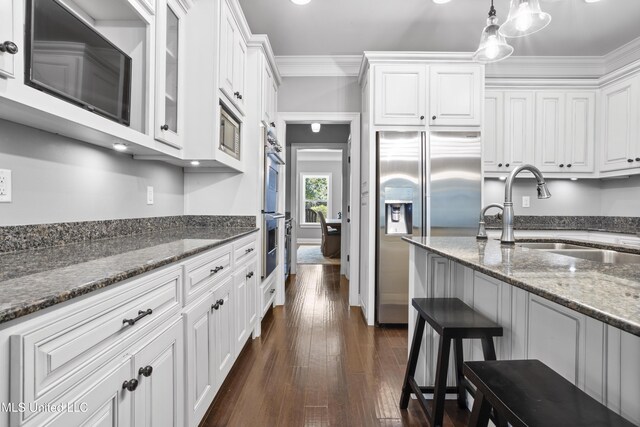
pixel 525 17
pixel 493 47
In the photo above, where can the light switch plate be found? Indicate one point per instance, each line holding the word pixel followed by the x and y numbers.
pixel 526 201
pixel 149 195
pixel 5 186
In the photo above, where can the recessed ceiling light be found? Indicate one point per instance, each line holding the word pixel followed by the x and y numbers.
pixel 441 1
pixel 119 146
pixel 300 2
pixel 574 179
pixel 195 163
pixel 315 127
pixel 591 1
pixel 502 178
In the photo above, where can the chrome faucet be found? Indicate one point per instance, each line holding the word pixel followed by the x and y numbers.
pixel 507 220
pixel 482 232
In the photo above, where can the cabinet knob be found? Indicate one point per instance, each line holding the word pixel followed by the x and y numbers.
pixel 637 159
pixel 220 301
pixel 569 165
pixel 146 371
pixel 250 275
pixel 240 96
pixel 164 127
pixel 215 306
pixel 433 118
pixel 236 94
pixel 421 117
pixel 9 47
pixel 130 385
pixel 507 165
pixel 630 160
pixel 272 124
pixel 272 291
pixel 561 165
pixel 499 165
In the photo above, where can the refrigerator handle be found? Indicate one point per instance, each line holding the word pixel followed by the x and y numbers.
pixel 424 167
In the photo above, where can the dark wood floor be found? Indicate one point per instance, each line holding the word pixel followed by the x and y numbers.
pixel 317 363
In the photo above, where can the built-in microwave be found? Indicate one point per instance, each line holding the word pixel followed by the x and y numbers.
pixel 229 133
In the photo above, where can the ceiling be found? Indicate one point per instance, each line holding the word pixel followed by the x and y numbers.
pixel 349 27
pixel 329 134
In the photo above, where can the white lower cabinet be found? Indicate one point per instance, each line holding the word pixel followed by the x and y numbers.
pixel 164 369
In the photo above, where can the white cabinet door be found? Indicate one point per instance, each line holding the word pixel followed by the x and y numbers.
pixel 273 105
pixel 252 293
pixel 224 337
pixel 200 384
pixel 267 84
pixel 550 134
pixel 493 135
pixel 11 46
pixel 619 125
pixel 170 47
pixel 239 66
pixel 400 95
pixel 240 314
pixel 518 133
pixel 580 124
pixel 228 36
pixel 104 402
pixel 159 366
pixel 455 98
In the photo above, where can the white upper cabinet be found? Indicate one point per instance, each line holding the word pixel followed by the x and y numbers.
pixel 9 46
pixel 550 135
pixel 456 95
pixel 580 129
pixel 233 58
pixel 619 126
pixel 170 47
pixel 400 95
pixel 493 132
pixel 518 132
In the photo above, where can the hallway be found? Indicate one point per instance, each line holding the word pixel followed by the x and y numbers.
pixel 318 363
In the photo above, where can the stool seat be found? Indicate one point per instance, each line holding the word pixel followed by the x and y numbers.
pixel 453 320
pixel 453 317
pixel 529 393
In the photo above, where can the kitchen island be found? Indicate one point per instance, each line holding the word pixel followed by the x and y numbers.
pixel 582 318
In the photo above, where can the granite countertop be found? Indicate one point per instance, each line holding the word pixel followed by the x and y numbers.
pixel 32 280
pixel 607 292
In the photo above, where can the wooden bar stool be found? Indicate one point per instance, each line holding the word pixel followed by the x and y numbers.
pixel 529 393
pixel 454 321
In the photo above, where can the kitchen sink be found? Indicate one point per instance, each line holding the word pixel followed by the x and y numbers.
pixel 599 255
pixel 550 245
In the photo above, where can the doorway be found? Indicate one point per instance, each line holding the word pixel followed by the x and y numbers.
pixel 294 129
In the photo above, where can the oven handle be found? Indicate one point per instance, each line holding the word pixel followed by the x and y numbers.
pixel 278 216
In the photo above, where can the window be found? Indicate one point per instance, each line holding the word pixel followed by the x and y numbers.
pixel 315 196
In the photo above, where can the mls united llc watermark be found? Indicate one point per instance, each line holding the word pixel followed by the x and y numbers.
pixel 22 407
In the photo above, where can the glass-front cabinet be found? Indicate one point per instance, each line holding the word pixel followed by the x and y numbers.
pixel 170 73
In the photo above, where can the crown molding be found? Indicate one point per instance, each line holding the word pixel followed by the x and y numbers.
pixel 319 65
pixel 622 56
pixel 370 58
pixel 261 41
pixel 547 67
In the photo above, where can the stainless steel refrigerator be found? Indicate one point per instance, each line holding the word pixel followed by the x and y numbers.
pixel 427 185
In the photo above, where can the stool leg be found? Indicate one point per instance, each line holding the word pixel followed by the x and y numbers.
pixel 480 413
pixel 488 349
pixel 462 392
pixel 412 363
pixel 440 389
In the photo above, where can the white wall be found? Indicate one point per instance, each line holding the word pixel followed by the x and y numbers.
pixel 319 94
pixel 57 179
pixel 616 197
pixel 335 169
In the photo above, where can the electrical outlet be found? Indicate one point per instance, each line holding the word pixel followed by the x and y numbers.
pixel 5 186
pixel 526 201
pixel 149 195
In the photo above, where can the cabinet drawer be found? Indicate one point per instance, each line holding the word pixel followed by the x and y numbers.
pixel 268 296
pixel 244 249
pixel 205 271
pixel 70 345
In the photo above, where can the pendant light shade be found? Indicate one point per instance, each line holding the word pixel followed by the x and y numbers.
pixel 493 47
pixel 525 17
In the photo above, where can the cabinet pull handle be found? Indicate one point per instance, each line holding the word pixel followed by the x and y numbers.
pixel 218 268
pixel 561 165
pixel 421 117
pixel 433 118
pixel 146 371
pixel 9 47
pixel 248 251
pixel 250 275
pixel 141 314
pixel 130 385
